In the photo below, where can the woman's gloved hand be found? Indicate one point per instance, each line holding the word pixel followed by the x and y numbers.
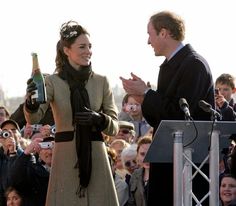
pixel 90 118
pixel 30 91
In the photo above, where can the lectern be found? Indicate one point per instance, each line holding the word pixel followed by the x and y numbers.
pixel 187 144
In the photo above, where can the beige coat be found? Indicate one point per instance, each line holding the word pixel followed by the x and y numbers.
pixel 64 180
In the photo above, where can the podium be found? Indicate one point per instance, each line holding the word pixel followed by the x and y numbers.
pixel 187 144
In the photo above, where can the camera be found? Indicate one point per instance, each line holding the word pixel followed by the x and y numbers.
pixel 53 129
pixel 132 107
pixel 5 134
pixel 36 127
pixel 46 145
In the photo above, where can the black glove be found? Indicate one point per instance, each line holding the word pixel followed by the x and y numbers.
pixel 30 90
pixel 89 118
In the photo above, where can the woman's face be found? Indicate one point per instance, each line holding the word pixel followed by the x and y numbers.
pixel 228 190
pixel 13 199
pixel 118 148
pixel 79 54
pixel 141 155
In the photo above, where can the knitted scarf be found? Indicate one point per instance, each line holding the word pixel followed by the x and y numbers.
pixel 79 100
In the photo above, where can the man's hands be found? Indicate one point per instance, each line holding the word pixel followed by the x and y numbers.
pixel 89 118
pixel 135 86
pixel 219 100
pixel 33 146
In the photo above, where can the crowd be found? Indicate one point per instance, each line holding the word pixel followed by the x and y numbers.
pixel 77 149
pixel 26 153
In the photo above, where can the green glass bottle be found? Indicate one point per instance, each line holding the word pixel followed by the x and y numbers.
pixel 40 95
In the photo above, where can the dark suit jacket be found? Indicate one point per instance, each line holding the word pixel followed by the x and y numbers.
pixel 186 75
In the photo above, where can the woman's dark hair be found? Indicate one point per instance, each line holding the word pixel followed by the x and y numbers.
pixel 68 33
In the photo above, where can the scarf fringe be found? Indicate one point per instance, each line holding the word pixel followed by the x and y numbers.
pixel 81 191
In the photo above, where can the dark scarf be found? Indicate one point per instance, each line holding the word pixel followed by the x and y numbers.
pixel 79 100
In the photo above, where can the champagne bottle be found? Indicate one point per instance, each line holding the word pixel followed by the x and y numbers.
pixel 40 94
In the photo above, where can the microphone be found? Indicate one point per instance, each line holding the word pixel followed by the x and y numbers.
pixel 185 108
pixel 208 108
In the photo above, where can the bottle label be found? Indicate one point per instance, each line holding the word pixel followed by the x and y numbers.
pixel 35 95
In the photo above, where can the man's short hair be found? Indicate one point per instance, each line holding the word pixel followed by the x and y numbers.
pixel 171 22
pixel 227 79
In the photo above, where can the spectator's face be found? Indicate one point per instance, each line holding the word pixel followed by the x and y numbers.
pixel 125 134
pixel 133 108
pixel 228 190
pixel 130 163
pixel 3 116
pixel 118 148
pixel 141 155
pixel 11 127
pixel 225 90
pixel 13 199
pixel 8 143
pixel 46 155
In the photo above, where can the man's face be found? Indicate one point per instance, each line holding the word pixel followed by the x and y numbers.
pixel 154 39
pixel 9 143
pixel 11 127
pixel 46 155
pixel 225 90
pixel 125 134
pixel 133 108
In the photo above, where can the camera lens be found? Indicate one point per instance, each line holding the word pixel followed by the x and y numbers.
pixel 5 134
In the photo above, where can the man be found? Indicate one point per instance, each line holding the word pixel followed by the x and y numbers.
pixel 225 88
pixel 34 185
pixel 126 131
pixel 183 74
pixel 9 150
pixel 133 109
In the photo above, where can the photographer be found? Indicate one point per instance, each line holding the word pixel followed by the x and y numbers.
pixel 35 172
pixel 10 149
pixel 133 109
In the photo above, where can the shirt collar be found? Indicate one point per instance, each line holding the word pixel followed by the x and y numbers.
pixel 181 45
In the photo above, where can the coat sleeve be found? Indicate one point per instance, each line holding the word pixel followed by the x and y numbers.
pixel 192 80
pixel 109 109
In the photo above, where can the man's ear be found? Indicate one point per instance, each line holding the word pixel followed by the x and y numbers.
pixel 234 90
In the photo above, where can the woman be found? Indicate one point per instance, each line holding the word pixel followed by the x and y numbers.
pixel 139 179
pixel 13 197
pixel 228 190
pixel 83 106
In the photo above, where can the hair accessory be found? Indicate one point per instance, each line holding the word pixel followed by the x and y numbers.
pixel 70 30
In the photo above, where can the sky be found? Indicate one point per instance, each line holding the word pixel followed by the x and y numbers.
pixel 118 31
